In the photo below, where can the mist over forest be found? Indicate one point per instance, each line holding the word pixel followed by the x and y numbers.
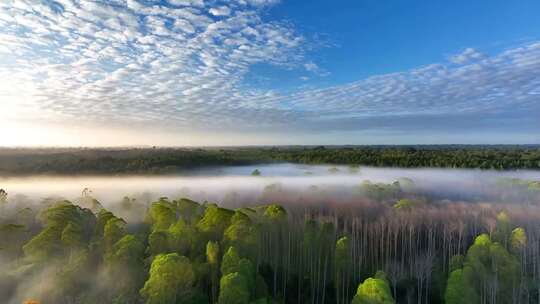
pixel 273 233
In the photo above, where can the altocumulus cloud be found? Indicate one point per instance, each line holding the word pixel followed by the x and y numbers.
pixel 181 63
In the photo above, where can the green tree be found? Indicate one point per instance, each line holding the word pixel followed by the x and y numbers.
pixel 171 280
pixel 190 211
pixel 125 268
pixel 242 234
pixel 103 217
pixel 233 289
pixel 456 262
pixel 518 240
pixel 114 230
pixel 214 222
pixel 212 257
pixel 374 291
pixel 45 245
pixel 183 238
pixel 489 272
pixel 162 215
pixel 64 225
pixel 503 229
pixel 158 242
pixel 457 290
pixel 342 265
pixel 230 261
pixel 405 204
pixel 275 213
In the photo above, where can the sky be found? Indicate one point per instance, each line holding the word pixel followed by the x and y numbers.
pixel 268 72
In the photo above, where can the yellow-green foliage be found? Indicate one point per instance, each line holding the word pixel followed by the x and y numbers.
pixel 518 239
pixel 215 221
pixel 171 279
pixel 233 289
pixel 405 204
pixel 486 261
pixel 162 215
pixel 374 291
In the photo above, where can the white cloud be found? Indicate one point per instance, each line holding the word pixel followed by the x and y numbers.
pixel 220 11
pixel 198 3
pixel 311 67
pixel 134 61
pixel 178 67
pixel 467 56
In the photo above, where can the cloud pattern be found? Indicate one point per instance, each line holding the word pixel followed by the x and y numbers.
pixel 181 64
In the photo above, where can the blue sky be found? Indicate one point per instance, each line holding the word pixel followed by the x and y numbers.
pixel 378 37
pixel 199 72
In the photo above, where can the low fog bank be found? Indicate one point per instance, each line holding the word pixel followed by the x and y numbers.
pixel 251 185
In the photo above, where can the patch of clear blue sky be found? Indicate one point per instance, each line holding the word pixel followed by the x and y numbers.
pixel 373 37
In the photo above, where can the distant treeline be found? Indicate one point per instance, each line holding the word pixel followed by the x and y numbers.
pixel 483 157
pixel 173 160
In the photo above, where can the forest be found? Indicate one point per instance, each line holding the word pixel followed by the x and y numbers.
pixel 384 243
pixel 155 161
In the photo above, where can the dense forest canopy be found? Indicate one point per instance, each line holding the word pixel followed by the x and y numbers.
pixel 384 243
pixel 174 160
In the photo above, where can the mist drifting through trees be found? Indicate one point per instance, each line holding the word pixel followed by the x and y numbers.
pixel 289 234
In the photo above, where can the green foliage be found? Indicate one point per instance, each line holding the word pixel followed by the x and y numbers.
pixel 374 291
pixel 230 261
pixel 66 226
pixel 342 266
pixel 190 211
pixel 72 236
pixel 162 215
pixel 181 257
pixel 125 267
pixel 518 239
pixel 214 222
pixel 103 217
pixel 69 280
pixel 159 161
pixel 114 230
pixel 457 289
pixel 171 280
pixel 182 238
pixel 486 262
pixel 405 204
pixel 242 234
pixel 275 213
pixel 233 289
pixel 503 229
pixel 416 156
pixel 212 253
pixel 158 242
pixel 256 172
pixel 213 257
pixel 456 262
pixel 45 245
pixel 343 253
pixel 380 191
pixel 12 238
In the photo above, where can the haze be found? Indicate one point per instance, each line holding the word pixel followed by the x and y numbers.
pixel 218 184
